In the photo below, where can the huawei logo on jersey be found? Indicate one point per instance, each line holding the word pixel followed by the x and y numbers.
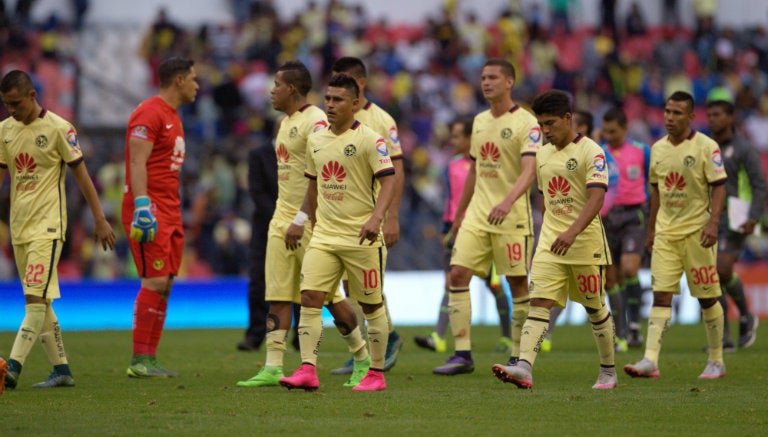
pixel 25 162
pixel 489 152
pixel 333 170
pixel 282 154
pixel 674 180
pixel 558 185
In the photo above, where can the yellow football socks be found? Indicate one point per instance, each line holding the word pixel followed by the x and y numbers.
pixel 520 308
pixel 30 328
pixel 276 347
pixel 534 331
pixel 460 317
pixel 356 344
pixel 359 316
pixel 377 337
pixel 658 324
pixel 714 323
pixel 310 333
pixel 603 330
pixel 51 339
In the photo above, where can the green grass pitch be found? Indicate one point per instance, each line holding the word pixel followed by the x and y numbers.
pixel 204 401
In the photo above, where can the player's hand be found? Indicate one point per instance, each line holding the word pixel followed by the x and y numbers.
pixel 448 240
pixel 562 243
pixel 370 231
pixel 748 227
pixel 144 224
pixel 293 236
pixel 649 241
pixel 708 236
pixel 104 234
pixel 455 227
pixel 391 230
pixel 499 213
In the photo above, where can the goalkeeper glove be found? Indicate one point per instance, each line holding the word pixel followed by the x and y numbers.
pixel 144 224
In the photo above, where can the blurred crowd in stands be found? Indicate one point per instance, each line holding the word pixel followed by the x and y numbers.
pixel 425 75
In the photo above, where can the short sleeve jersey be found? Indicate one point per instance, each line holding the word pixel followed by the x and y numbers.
pixel 632 160
pixel 37 155
pixel 376 118
pixel 683 175
pixel 497 147
pixel 346 167
pixel 455 176
pixel 156 121
pixel 564 176
pixel 291 149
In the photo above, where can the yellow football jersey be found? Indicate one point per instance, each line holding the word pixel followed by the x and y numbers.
pixel 683 174
pixel 37 156
pixel 376 118
pixel 497 147
pixel 563 178
pixel 291 149
pixel 346 167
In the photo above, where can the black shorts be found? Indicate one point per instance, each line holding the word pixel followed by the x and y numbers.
pixel 626 228
pixel 730 243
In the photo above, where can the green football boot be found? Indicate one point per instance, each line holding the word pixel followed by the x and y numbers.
pixel 269 376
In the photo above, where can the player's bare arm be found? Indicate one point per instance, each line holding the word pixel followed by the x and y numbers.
pixel 371 228
pixel 654 212
pixel 139 150
pixel 102 230
pixel 564 241
pixel 295 230
pixel 466 196
pixel 527 176
pixel 709 233
pixel 391 226
pixel 758 185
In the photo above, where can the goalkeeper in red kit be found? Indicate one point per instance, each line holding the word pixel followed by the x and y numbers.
pixel 152 207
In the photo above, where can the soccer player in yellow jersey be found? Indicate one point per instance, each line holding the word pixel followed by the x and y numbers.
pixel 351 184
pixel 287 238
pixel 572 252
pixel 376 118
pixel 687 180
pixel 498 226
pixel 38 145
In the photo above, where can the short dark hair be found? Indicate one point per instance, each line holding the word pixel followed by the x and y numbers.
pixel 466 125
pixel 172 67
pixel 16 79
pixel 616 114
pixel 350 65
pixel 682 96
pixel 725 105
pixel 296 73
pixel 581 116
pixel 345 81
pixel 506 67
pixel 552 102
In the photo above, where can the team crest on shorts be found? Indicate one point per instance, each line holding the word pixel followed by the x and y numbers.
pixel 41 141
pixel 572 164
pixel 506 133
pixel 350 150
pixel 158 264
pixel 689 161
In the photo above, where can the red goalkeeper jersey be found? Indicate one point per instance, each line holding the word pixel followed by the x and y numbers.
pixel 159 123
